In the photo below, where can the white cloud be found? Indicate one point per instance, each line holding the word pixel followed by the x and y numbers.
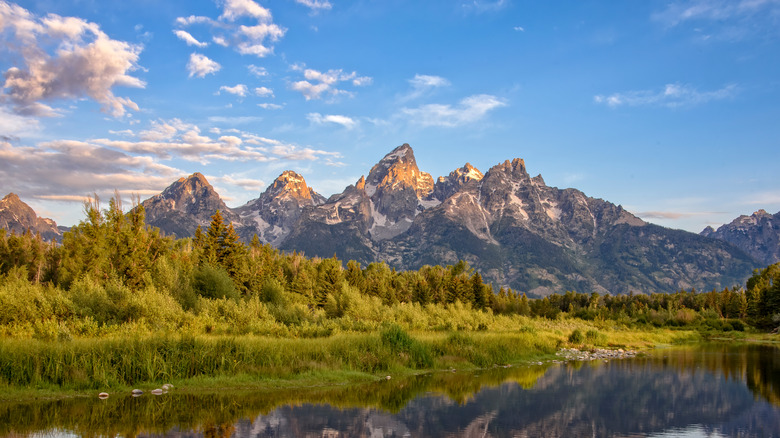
pixel 164 130
pixel 264 92
pixel 64 58
pixel 344 121
pixel 256 39
pixel 318 84
pixel 315 5
pixel 136 164
pixel 189 39
pixel 468 110
pixel 83 169
pixel 423 84
pixel 309 90
pixel 672 96
pixel 238 89
pixel 270 106
pixel 201 66
pixel 519 28
pixel 234 9
pixel 14 125
pixel 362 81
pixel 193 19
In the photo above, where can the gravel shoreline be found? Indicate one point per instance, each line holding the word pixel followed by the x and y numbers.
pixel 573 354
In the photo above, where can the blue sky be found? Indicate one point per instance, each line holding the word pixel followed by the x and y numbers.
pixel 669 108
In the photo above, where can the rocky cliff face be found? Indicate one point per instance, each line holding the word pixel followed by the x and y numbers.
pixel 512 227
pixel 757 235
pixel 184 205
pixel 273 215
pixel 18 217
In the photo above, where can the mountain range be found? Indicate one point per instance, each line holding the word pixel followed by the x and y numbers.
pixel 514 229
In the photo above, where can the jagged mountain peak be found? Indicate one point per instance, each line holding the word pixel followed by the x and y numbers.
pixel 467 173
pixel 18 217
pixel 398 171
pixel 516 168
pixel 12 198
pixel 447 186
pixel 361 183
pixel 184 205
pixel 292 185
pixel 188 186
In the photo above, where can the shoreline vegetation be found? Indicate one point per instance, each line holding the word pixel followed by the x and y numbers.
pixel 116 306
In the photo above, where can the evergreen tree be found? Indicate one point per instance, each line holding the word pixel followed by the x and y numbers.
pixel 329 278
pixel 479 291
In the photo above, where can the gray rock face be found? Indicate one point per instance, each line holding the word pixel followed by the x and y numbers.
pixel 18 217
pixel 184 205
pixel 273 215
pixel 757 234
pixel 447 186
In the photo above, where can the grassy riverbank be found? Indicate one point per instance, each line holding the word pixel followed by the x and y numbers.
pixel 37 368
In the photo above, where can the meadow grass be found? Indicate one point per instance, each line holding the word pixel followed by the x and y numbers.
pixel 86 365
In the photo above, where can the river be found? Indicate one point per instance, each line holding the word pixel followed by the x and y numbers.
pixel 713 390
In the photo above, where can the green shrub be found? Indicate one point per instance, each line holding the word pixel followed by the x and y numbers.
pixel 396 338
pixel 272 292
pixel 213 282
pixel 576 337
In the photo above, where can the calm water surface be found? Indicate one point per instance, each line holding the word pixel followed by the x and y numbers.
pixel 710 391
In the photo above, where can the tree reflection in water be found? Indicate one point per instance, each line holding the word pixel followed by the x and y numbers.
pixel 714 388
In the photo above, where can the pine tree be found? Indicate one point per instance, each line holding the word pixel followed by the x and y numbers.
pixel 478 289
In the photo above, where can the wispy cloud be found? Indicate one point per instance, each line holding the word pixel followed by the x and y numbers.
pixel 189 39
pixel 200 66
pixel 423 85
pixel 713 10
pixel 730 20
pixel 270 106
pixel 468 110
pixel 671 96
pixel 63 58
pixel 480 6
pixel 257 71
pixel 317 84
pixel 315 5
pixel 344 121
pixel 675 215
pixel 764 198
pixel 82 168
pixel 249 184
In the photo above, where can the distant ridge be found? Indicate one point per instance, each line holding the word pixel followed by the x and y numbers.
pixel 757 235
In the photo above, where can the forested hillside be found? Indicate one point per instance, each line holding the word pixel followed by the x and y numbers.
pixel 112 270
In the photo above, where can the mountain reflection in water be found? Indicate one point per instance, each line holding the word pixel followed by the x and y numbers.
pixel 715 390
